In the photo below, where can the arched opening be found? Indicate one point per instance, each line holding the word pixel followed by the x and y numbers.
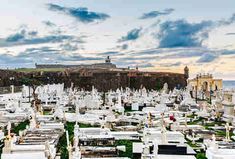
pixel 205 86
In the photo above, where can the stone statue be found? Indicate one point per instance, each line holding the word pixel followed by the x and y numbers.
pixel 77 153
pixel 163 132
pixel 214 145
pixel 227 127
pixel 165 88
pixel 48 150
pixel 33 123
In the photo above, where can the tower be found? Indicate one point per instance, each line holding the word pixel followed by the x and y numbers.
pixel 186 72
pixel 107 60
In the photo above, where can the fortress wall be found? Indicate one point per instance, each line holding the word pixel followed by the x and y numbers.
pixel 102 80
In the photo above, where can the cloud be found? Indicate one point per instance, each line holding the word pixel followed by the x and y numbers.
pixel 185 54
pixel 227 52
pixel 77 57
pixel 207 57
pixel 24 37
pixel 181 33
pixel 43 55
pixel 124 46
pixel 7 59
pixel 132 35
pixel 110 53
pixel 154 14
pixel 81 14
pixel 69 47
pixel 230 34
pixel 228 21
pixel 147 65
pixel 170 64
pixel 49 23
pixel 133 64
pixel 21 35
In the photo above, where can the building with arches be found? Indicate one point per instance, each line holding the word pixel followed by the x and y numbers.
pixel 205 83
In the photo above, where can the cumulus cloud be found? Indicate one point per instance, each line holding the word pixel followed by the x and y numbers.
pixel 82 14
pixel 181 33
pixel 154 14
pixel 25 37
pixel 132 35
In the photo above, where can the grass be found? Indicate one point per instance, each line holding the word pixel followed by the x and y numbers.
pixel 62 144
pixel 20 126
pixel 201 155
pixel 191 116
pixel 26 70
pixel 62 147
pixel 128 145
pixel 200 119
pixel 208 125
pixel 128 109
pixel 16 129
pixel 46 112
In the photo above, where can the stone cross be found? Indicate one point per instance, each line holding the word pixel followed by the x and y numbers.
pixel 150 120
pixel 9 129
pixel 185 117
pixel 155 146
pixel 193 135
pixel 69 148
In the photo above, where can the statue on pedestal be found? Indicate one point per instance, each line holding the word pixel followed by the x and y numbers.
pixel 227 127
pixel 165 88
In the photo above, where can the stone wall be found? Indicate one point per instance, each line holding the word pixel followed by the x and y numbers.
pixel 103 80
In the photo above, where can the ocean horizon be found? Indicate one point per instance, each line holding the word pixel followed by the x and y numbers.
pixel 229 84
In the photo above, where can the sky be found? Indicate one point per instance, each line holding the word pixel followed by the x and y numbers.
pixel 155 35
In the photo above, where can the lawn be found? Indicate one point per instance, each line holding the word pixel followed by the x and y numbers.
pixel 26 70
pixel 128 145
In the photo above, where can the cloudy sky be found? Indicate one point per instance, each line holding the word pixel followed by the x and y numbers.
pixel 155 35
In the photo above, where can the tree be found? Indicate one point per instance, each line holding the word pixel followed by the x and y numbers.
pixel 32 83
pixel 158 85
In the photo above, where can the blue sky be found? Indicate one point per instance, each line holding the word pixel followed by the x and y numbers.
pixel 156 35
